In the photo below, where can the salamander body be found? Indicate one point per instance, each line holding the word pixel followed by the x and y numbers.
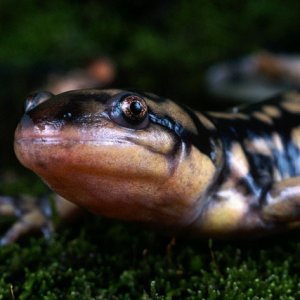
pixel 139 157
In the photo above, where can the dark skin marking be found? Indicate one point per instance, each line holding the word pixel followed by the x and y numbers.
pixel 292 153
pixel 261 168
pixel 103 97
pixel 76 109
pixel 244 185
pixel 148 95
pixel 167 122
pixel 172 157
pixel 179 133
pixel 203 140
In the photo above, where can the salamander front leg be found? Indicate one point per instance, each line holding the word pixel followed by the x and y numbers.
pixel 34 215
pixel 282 201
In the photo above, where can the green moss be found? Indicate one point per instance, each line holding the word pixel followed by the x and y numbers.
pixel 102 259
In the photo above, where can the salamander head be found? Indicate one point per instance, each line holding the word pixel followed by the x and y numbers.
pixel 117 153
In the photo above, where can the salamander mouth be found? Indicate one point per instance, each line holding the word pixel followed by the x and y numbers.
pixel 64 141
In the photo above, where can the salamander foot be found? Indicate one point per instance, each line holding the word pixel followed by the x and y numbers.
pixel 34 215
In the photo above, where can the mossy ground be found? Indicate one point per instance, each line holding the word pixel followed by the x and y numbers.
pixel 105 259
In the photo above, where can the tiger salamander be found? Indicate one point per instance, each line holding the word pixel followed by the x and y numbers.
pixel 139 157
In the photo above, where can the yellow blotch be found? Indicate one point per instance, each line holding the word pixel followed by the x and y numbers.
pixel 206 123
pixel 272 111
pixel 262 117
pixel 259 146
pixel 229 116
pixel 224 216
pixel 291 107
pixel 292 102
pixel 238 161
pixel 295 135
pixel 277 141
pixel 292 96
pixel 276 175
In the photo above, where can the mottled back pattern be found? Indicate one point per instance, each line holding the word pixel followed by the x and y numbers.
pixel 268 134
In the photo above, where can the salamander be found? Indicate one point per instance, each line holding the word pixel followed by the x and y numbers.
pixel 140 157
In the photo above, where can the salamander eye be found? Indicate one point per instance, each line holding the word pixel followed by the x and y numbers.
pixel 134 109
pixel 35 99
pixel 131 111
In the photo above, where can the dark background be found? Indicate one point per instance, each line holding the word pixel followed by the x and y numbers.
pixel 160 46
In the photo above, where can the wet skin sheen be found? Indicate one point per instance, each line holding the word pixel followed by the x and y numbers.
pixel 138 157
